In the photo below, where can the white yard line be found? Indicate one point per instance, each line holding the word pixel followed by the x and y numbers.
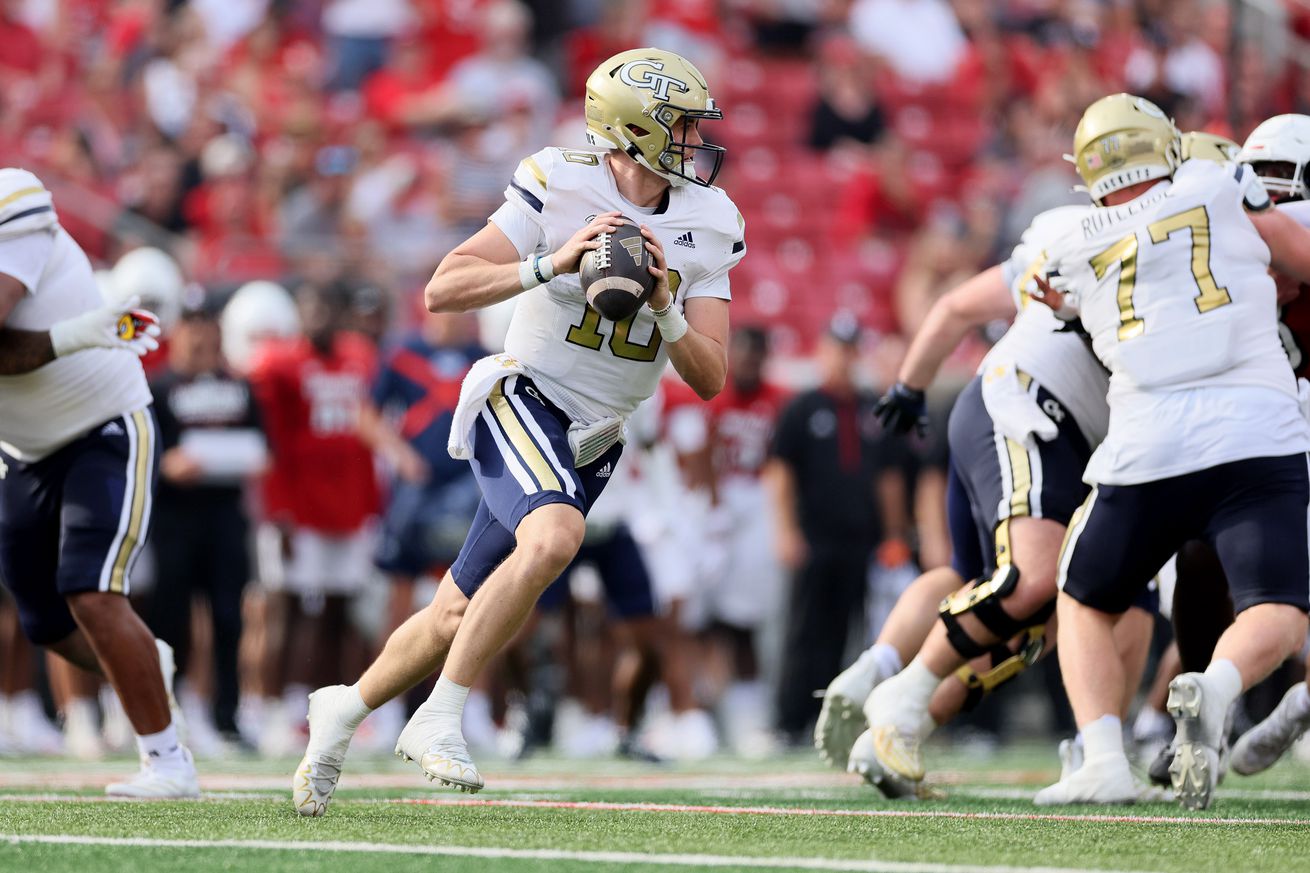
pixel 645 858
pixel 781 811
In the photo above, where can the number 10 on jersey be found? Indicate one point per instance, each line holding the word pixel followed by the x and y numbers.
pixel 587 333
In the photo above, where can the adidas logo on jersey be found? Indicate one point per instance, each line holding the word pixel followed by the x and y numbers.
pixel 112 429
pixel 605 471
pixel 685 240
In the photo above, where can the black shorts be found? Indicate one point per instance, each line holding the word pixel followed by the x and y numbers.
pixel 1005 480
pixel 75 521
pixel 1253 512
pixel 629 592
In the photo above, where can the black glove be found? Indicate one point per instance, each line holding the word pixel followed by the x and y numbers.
pixel 902 408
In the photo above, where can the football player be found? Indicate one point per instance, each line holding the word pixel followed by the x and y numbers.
pixel 78 462
pixel 1019 511
pixel 1169 276
pixel 1020 435
pixel 542 423
pixel 317 540
pixel 1279 151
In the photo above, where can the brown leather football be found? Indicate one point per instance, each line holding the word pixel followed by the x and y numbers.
pixel 616 277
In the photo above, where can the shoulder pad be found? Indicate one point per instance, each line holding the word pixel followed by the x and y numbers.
pixel 720 215
pixel 551 169
pixel 1052 224
pixel 21 193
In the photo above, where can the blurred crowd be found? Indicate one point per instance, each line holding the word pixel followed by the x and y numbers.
pixel 280 177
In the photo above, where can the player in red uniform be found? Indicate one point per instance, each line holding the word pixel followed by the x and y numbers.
pixel 320 494
pixel 742 593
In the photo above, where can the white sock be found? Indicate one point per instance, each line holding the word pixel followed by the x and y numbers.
pixel 887 658
pixel 446 706
pixel 912 689
pixel 160 747
pixel 1224 680
pixel 1103 737
pixel 355 709
pixel 918 682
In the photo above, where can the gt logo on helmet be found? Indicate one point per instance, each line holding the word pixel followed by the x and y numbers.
pixel 658 83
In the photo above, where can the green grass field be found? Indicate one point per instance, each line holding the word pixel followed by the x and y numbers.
pixel 607 817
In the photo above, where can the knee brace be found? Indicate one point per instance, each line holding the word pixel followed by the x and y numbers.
pixel 983 598
pixel 1008 661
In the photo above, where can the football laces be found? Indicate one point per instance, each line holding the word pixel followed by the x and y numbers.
pixel 603 253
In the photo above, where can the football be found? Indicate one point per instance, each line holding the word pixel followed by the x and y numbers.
pixel 615 277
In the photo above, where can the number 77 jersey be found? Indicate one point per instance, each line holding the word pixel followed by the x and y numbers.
pixel 591 367
pixel 1174 290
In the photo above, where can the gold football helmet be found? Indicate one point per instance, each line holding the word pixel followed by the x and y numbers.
pixel 1208 147
pixel 1123 140
pixel 636 102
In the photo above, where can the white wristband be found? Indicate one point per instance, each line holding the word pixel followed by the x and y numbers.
pixel 536 270
pixel 671 322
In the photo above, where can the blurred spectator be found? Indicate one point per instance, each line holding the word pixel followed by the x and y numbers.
pixel 883 199
pixel 503 76
pixel 920 40
pixel 618 28
pixel 835 492
pixel 211 444
pixel 311 217
pixel 847 111
pixel 359 32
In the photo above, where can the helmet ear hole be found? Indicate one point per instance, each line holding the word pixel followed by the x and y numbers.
pixel 636 130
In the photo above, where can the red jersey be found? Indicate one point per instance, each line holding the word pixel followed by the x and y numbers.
pixel 322 475
pixel 741 428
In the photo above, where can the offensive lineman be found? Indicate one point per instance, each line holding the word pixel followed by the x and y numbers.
pixel 543 422
pixel 1279 152
pixel 1021 434
pixel 77 471
pixel 1169 276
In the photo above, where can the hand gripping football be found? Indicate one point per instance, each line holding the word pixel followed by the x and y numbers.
pixel 616 277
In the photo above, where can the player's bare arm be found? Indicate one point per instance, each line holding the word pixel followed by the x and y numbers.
pixel 701 355
pixel 484 269
pixel 1288 241
pixel 21 351
pixel 969 305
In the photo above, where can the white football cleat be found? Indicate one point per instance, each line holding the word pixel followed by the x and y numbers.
pixel 1105 780
pixel 1195 769
pixel 888 760
pixel 441 756
pixel 174 778
pixel 23 722
pixel 316 778
pixel 1262 745
pixel 841 720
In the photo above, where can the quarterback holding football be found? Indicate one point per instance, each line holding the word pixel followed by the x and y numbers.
pixel 543 423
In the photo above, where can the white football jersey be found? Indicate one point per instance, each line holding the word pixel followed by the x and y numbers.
pixel 52 405
pixel 1058 360
pixel 1174 289
pixel 591 367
